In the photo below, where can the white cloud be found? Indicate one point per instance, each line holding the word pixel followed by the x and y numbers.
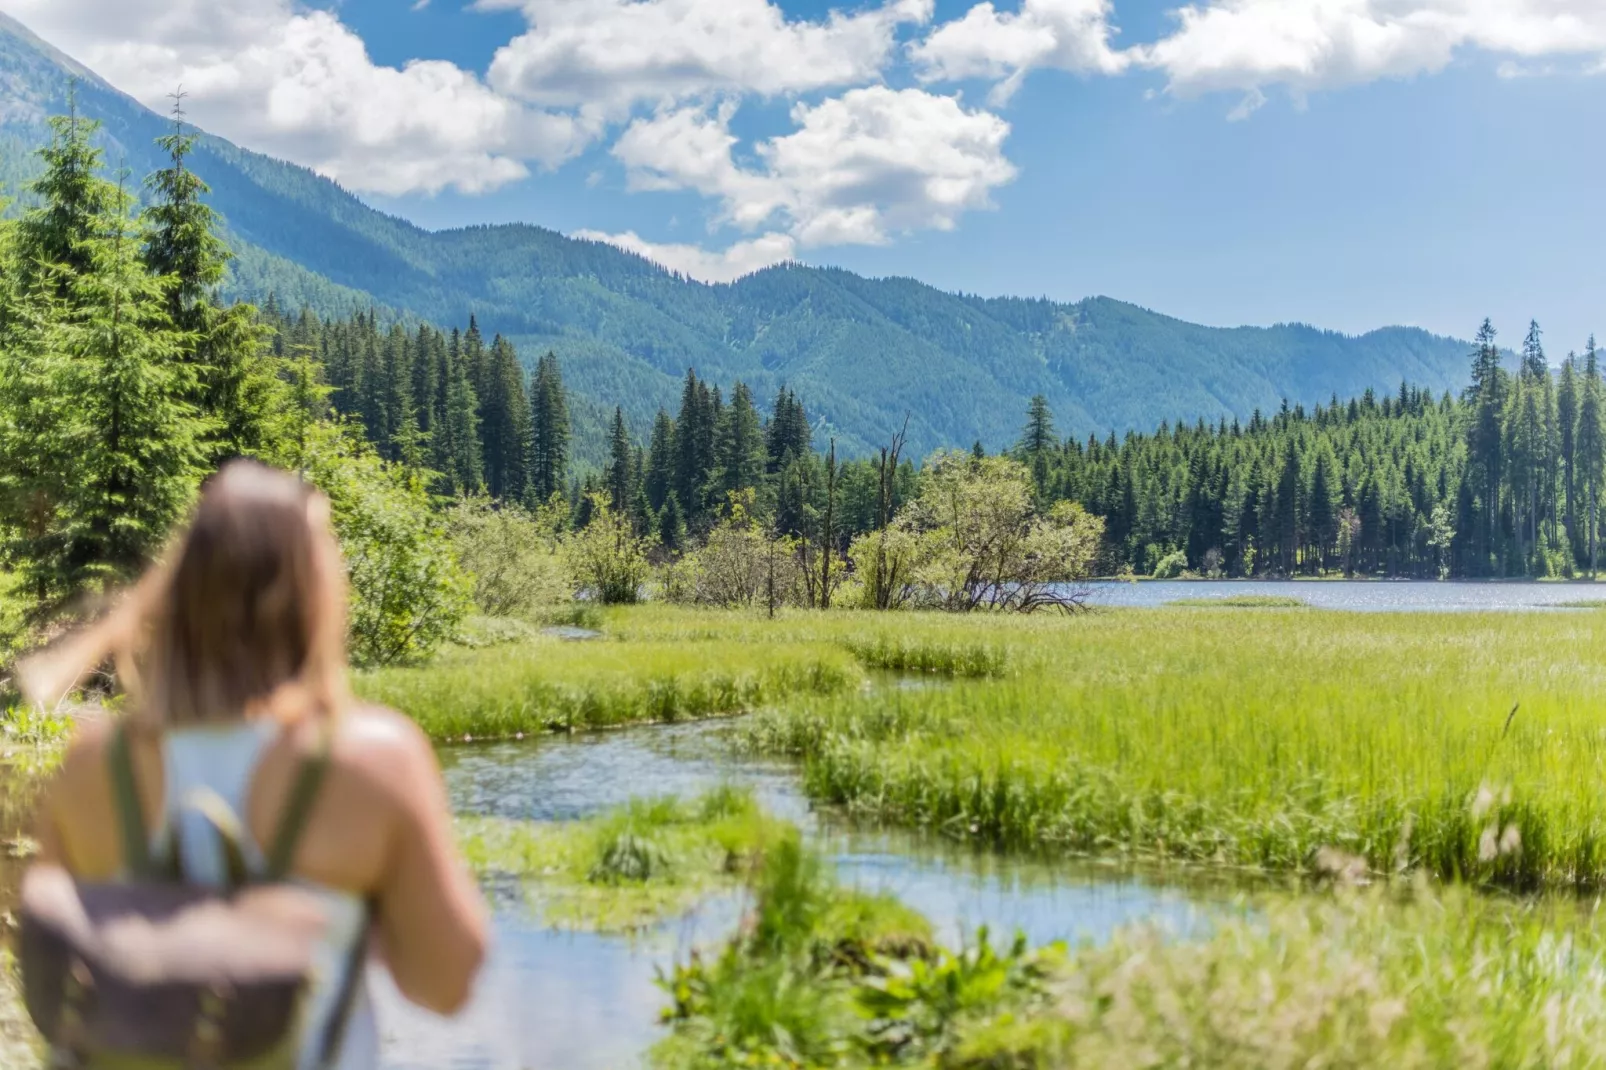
pixel 857 169
pixel 301 85
pixel 1072 35
pixel 608 55
pixel 1305 45
pixel 742 258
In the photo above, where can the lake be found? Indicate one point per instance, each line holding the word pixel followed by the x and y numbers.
pixel 1365 596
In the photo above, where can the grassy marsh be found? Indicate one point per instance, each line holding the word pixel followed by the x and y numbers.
pixel 1247 739
pixel 544 685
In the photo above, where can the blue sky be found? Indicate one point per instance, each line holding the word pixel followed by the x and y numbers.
pixel 1349 163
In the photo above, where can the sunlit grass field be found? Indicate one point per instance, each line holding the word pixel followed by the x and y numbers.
pixel 1470 746
pixel 549 685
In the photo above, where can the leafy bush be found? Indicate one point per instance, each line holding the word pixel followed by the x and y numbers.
pixel 973 540
pixel 606 559
pixel 511 553
pixel 1171 566
pixel 408 594
pixel 740 566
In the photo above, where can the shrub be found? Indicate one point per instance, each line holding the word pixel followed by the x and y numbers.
pixel 606 559
pixel 408 594
pixel 740 566
pixel 511 554
pixel 1171 566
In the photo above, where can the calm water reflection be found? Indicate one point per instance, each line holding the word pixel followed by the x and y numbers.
pixel 1373 596
pixel 584 1002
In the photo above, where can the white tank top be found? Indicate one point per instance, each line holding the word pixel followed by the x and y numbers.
pixel 224 760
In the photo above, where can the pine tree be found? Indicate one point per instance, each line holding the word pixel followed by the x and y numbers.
pixel 694 447
pixel 131 452
pixel 1038 442
pixel 549 431
pixel 1567 429
pixel 660 475
pixel 505 430
pixel 235 386
pixel 617 475
pixel 73 204
pixel 456 441
pixel 1591 446
pixel 788 433
pixel 1484 435
pixel 740 454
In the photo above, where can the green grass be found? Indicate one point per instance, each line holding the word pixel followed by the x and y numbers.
pixel 1246 739
pixel 630 868
pixel 1348 980
pixel 1241 601
pixel 549 685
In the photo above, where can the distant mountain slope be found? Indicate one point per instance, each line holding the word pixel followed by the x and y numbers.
pixel 861 352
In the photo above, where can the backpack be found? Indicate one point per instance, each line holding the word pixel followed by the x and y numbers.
pixel 159 974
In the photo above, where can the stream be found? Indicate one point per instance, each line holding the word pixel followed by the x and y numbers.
pixel 553 1000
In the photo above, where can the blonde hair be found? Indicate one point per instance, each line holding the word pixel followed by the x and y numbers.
pixel 244 618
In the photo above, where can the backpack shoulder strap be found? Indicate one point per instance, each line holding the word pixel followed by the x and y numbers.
pixel 126 802
pixel 298 807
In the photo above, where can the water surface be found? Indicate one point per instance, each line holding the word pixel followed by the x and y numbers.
pixel 1375 596
pixel 581 1001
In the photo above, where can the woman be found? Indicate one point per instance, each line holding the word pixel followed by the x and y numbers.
pixel 233 656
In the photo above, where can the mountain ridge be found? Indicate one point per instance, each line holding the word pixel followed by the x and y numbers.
pixel 861 352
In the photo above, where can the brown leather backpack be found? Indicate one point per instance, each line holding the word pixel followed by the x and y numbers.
pixel 159 974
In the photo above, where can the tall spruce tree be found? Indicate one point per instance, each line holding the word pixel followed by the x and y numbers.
pixel 549 431
pixel 1485 438
pixel 127 456
pixel 618 476
pixel 235 386
pixel 694 448
pixel 740 453
pixel 660 474
pixel 505 429
pixel 1591 446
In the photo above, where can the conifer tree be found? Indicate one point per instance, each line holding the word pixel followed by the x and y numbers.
pixel 694 447
pixel 1484 437
pixel 505 429
pixel 660 474
pixel 788 433
pixel 235 386
pixel 457 453
pixel 740 453
pixel 617 476
pixel 127 457
pixel 73 199
pixel 1591 446
pixel 549 431
pixel 1567 429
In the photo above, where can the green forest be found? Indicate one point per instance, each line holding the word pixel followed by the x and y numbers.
pixel 127 378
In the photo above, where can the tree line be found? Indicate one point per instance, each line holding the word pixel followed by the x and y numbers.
pixel 1504 481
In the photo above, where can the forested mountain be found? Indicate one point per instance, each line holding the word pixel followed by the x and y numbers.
pixel 862 352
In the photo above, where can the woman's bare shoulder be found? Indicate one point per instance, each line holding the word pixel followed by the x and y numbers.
pixel 383 748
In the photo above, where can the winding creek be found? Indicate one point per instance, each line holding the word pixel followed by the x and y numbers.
pixel 581 1001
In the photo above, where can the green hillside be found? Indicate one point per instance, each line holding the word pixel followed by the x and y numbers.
pixel 862 352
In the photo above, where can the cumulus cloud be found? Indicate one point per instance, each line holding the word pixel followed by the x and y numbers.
pixel 727 265
pixel 301 85
pixel 1305 45
pixel 608 55
pixel 857 168
pixel 1072 35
